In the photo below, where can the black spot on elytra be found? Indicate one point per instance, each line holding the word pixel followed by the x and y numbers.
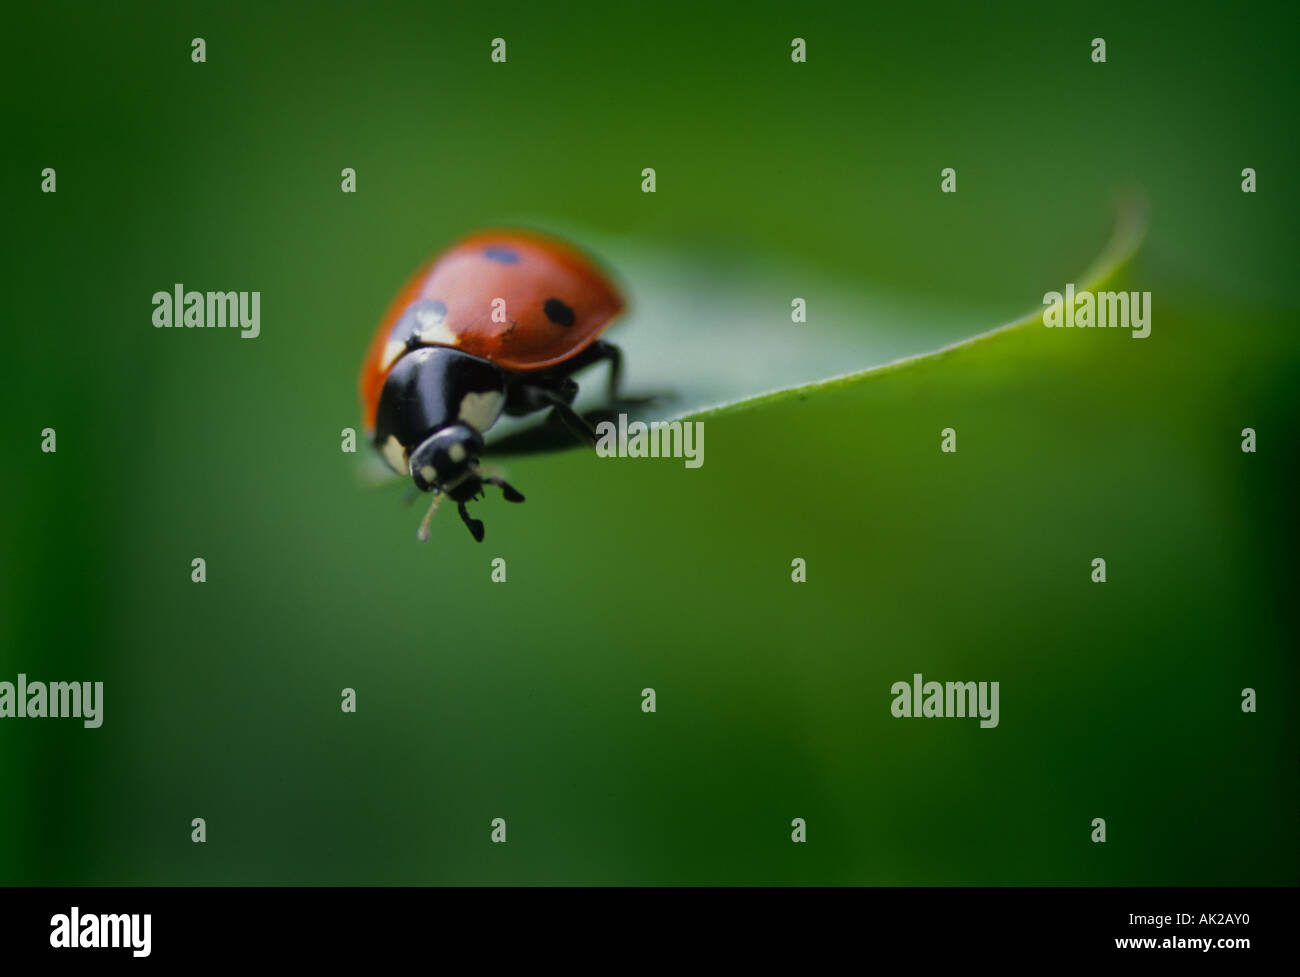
pixel 558 312
pixel 503 255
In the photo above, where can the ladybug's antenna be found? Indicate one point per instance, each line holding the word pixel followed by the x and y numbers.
pixel 422 534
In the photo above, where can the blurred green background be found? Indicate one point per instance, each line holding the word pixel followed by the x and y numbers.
pixel 522 700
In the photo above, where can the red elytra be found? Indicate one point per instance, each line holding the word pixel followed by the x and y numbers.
pixel 557 302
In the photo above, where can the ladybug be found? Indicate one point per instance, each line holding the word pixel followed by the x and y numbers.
pixel 496 324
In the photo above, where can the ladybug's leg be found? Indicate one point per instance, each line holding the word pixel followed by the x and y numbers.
pixel 601 350
pixel 574 421
pixel 511 493
pixel 554 390
pixel 608 351
pixel 475 525
pixel 597 351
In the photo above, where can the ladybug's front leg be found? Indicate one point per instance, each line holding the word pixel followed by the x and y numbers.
pixel 475 526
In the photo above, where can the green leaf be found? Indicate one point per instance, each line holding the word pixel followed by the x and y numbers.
pixel 1125 240
pixel 710 333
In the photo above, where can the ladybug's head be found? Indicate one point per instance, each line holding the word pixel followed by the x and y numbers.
pixel 446 463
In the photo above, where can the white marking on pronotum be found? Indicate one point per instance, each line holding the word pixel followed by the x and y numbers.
pixel 457 452
pixel 429 474
pixel 480 411
pixel 395 454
